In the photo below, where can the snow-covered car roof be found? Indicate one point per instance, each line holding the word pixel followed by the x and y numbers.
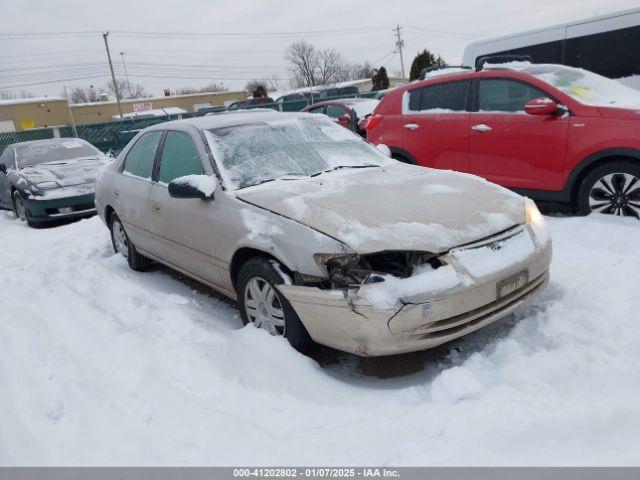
pixel 208 122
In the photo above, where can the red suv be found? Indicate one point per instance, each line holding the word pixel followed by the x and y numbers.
pixel 551 132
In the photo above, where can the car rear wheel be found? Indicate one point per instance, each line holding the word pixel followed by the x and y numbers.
pixel 265 307
pixel 612 189
pixel 122 245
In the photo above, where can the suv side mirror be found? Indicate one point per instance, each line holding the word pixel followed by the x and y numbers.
pixel 3 168
pixel 344 120
pixel 541 106
pixel 193 186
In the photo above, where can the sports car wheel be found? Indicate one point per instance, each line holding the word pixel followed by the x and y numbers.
pixel 18 207
pixel 612 189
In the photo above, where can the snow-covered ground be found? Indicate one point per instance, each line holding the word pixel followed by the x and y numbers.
pixel 100 365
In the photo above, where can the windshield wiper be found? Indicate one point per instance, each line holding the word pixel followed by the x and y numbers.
pixel 366 165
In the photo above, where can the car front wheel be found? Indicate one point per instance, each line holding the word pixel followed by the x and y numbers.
pixel 264 306
pixel 122 245
pixel 612 189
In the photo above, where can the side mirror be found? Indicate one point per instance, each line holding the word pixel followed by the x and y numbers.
pixel 541 106
pixel 193 186
pixel 3 168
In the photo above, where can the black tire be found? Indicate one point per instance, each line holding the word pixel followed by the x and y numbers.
pixel 613 188
pixel 401 158
pixel 20 212
pixel 136 261
pixel 261 268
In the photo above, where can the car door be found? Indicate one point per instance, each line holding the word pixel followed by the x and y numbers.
pixel 435 125
pixel 183 227
pixel 510 147
pixel 131 190
pixel 6 160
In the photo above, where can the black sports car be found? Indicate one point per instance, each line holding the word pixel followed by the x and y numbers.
pixel 47 180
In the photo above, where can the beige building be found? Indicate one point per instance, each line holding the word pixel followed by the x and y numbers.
pixel 29 113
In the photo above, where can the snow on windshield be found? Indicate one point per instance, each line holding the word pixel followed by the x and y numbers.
pixel 587 87
pixel 254 153
pixel 56 151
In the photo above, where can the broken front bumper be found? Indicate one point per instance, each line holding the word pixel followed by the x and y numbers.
pixel 339 319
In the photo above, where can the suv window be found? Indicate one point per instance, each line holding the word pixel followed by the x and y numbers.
pixel 498 95
pixel 179 157
pixel 335 112
pixel 446 96
pixel 139 160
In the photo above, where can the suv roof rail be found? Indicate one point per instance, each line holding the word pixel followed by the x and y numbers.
pixel 481 61
pixel 424 71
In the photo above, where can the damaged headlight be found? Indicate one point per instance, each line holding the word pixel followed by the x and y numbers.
pixel 353 270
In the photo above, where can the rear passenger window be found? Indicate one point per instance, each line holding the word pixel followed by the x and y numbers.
pixel 445 96
pixel 179 157
pixel 505 95
pixel 139 160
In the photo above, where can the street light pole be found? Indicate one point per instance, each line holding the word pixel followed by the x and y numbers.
pixel 113 75
pixel 126 75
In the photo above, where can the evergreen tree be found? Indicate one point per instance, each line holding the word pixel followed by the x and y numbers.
pixel 380 79
pixel 425 59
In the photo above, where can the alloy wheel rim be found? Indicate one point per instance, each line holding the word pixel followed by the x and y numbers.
pixel 120 239
pixel 20 211
pixel 262 306
pixel 616 194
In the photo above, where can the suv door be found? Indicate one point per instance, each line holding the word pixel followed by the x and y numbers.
pixel 435 125
pixel 510 147
pixel 183 227
pixel 131 189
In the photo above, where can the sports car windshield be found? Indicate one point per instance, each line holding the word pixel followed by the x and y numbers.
pixel 587 87
pixel 255 153
pixel 52 152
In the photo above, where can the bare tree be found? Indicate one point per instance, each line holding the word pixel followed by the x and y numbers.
pixel 355 71
pixel 127 90
pixel 82 94
pixel 330 63
pixel 304 62
pixel 11 94
pixel 211 88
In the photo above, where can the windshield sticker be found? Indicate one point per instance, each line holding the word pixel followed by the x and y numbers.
pixel 583 92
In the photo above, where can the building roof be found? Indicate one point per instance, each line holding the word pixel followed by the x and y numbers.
pixel 20 101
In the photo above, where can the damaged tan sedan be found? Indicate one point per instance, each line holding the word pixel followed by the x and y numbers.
pixel 321 237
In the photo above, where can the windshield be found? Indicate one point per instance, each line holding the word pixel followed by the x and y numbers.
pixel 52 152
pixel 587 87
pixel 254 153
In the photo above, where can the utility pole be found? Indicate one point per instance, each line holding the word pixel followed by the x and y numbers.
pixel 126 75
pixel 113 75
pixel 400 44
pixel 73 122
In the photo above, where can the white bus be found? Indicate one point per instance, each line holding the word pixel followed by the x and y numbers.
pixel 607 44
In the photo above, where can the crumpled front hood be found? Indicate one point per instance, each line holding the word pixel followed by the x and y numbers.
pixel 396 207
pixel 64 173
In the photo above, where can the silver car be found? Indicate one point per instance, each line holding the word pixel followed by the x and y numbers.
pixel 320 236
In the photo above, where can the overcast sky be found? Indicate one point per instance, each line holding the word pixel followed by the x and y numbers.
pixel 361 31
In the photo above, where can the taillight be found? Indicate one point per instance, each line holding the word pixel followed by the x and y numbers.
pixel 371 122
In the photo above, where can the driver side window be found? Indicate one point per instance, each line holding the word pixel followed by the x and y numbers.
pixel 139 160
pixel 505 95
pixel 179 157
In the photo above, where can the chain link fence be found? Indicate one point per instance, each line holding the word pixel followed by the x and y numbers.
pixel 113 136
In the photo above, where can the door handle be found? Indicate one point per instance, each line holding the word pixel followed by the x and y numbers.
pixel 482 128
pixel 116 193
pixel 411 126
pixel 156 207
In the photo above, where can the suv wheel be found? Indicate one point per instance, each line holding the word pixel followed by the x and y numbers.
pixel 261 304
pixel 612 189
pixel 122 245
